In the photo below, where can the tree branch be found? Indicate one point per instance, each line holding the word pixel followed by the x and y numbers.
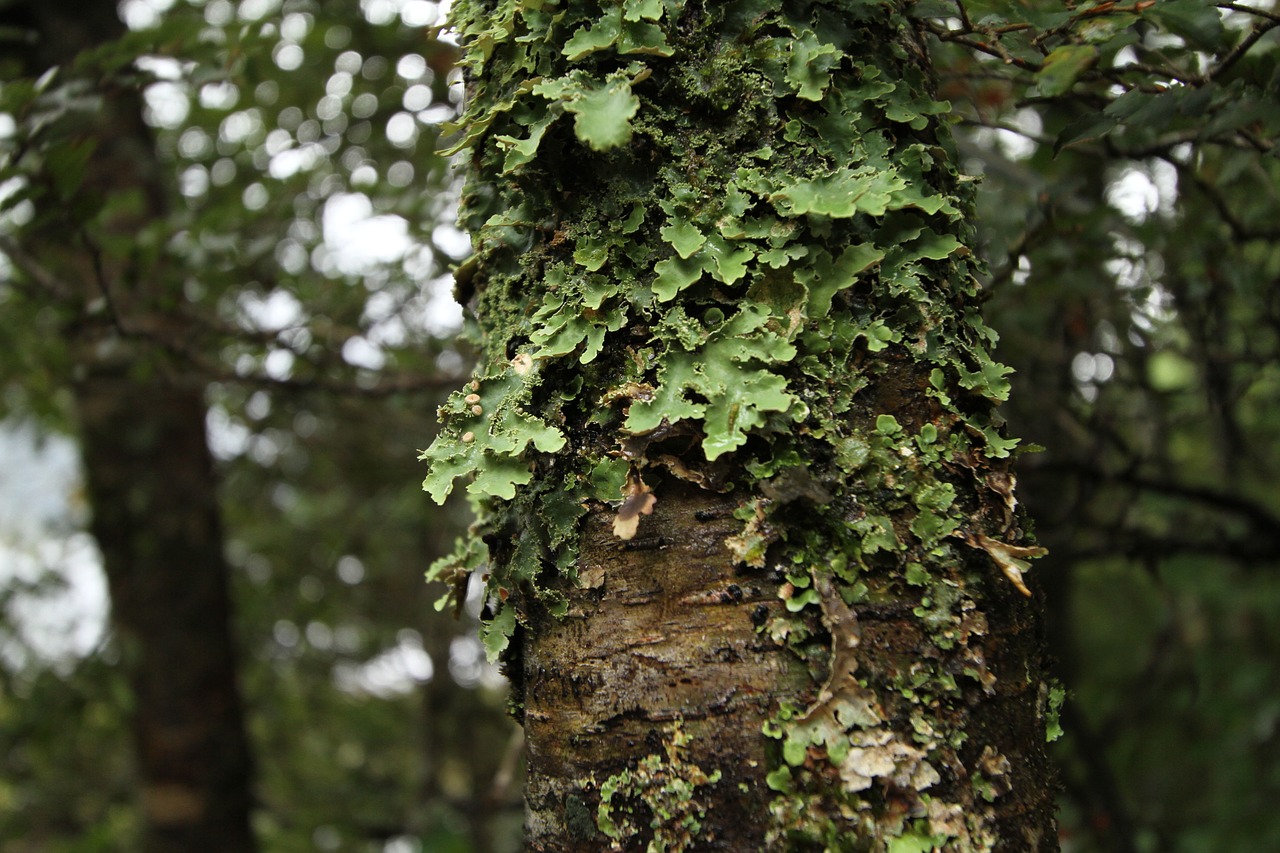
pixel 39 274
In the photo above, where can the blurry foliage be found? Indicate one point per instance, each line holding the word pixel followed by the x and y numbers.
pixel 304 200
pixel 1129 212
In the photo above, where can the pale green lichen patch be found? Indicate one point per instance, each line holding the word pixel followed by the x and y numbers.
pixel 492 432
pixel 663 788
pixel 744 263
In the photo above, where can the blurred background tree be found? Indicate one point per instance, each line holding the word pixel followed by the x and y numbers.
pixel 207 228
pixel 283 262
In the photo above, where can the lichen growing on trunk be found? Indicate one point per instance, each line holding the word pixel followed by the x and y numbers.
pixel 722 263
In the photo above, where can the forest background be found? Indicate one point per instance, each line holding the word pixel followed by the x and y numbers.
pixel 1128 210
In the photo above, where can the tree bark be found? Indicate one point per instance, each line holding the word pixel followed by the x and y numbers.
pixel 668 637
pixel 151 481
pixel 155 516
pixel 746 508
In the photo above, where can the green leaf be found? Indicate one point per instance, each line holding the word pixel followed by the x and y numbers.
pixel 810 67
pixel 877 533
pixel 719 384
pixel 878 336
pixel 779 779
pixel 522 151
pixel 935 246
pixel 728 264
pixel 498 476
pixel 684 237
pixel 1088 127
pixel 1198 22
pixel 841 194
pixel 66 163
pixel 591 254
pixel 1063 66
pixel 607 479
pixel 887 425
pixel 674 275
pixel 599 36
pixel 916 841
pixel 642 10
pixel 645 39
pixel 491 444
pixel 794 749
pixel 1053 712
pixel 827 277
pixel 989 379
pixel 603 115
pixel 998 447
pixel 496 633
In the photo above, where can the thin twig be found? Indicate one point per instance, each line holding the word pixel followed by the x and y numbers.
pixel 1259 30
pixel 1250 10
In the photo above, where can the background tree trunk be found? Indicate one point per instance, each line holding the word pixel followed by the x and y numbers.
pixel 155 517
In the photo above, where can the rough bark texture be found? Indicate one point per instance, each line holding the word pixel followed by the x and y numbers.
pixel 664 633
pixel 723 276
pixel 151 482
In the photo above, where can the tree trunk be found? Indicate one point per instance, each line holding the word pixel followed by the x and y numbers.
pixel 155 517
pixel 753 554
pixel 150 477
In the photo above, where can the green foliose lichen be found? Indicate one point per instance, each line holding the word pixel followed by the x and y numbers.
pixel 728 243
pixel 664 788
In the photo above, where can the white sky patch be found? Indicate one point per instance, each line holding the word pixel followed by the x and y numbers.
pixel 219 96
pixel 167 104
pixel 1019 143
pixel 393 672
pixel 289 162
pixel 1124 56
pixel 161 67
pixel 288 56
pixel 58 613
pixel 361 352
pixel 1243 20
pixel 1140 191
pixel 357 240
pixel 274 311
pixel 468 666
pixel 227 438
pixel 279 364
pixel 253 10
pixel 143 14
pixel 452 240
pixel 443 315
pixel 1092 367
pixel 420 13
pixel 1134 195
pixel 1139 273
pixel 21 213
